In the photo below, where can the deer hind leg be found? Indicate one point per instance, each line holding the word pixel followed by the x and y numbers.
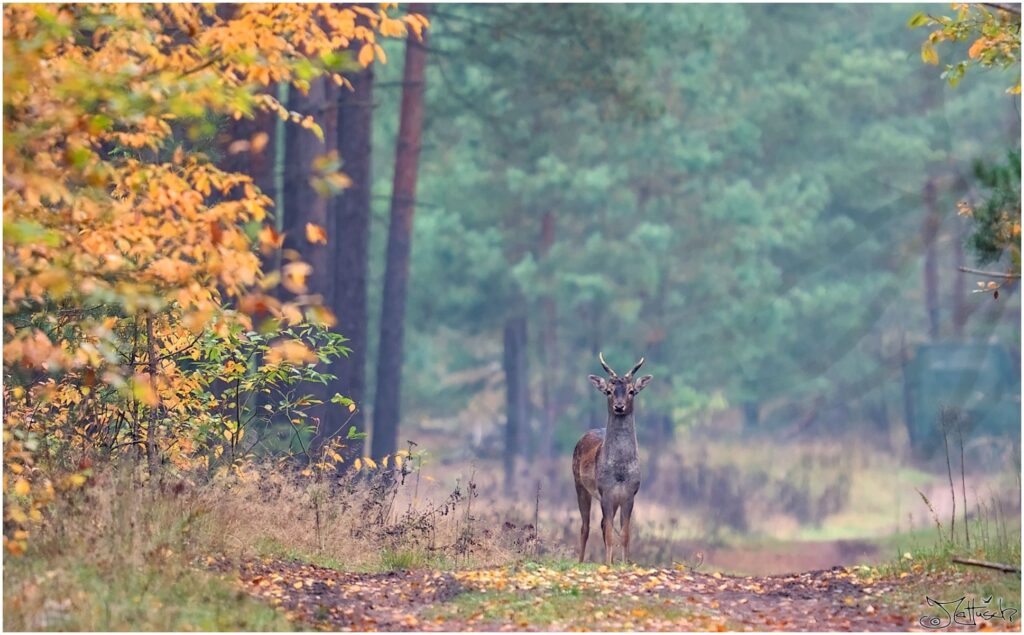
pixel 607 517
pixel 583 498
pixel 625 516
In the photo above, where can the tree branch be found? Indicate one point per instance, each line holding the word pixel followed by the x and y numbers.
pixel 1008 568
pixel 991 274
pixel 1009 8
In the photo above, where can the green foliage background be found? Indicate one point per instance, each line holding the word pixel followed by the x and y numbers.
pixel 737 193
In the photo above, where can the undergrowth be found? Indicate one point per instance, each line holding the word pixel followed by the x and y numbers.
pixel 124 554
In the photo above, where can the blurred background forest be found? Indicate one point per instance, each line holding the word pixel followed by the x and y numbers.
pixel 760 200
pixel 772 204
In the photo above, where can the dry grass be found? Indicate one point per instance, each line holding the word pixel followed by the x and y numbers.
pixel 375 521
pixel 121 555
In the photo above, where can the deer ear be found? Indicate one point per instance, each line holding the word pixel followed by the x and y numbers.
pixel 597 381
pixel 640 383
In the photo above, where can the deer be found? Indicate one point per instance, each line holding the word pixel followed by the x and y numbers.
pixel 605 463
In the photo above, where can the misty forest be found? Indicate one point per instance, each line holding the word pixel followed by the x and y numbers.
pixel 344 316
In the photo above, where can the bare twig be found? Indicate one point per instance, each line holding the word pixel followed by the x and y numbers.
pixel 961 422
pixel 991 274
pixel 945 419
pixel 151 429
pixel 1009 8
pixel 1007 568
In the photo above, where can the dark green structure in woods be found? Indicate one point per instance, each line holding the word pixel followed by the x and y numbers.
pixel 982 380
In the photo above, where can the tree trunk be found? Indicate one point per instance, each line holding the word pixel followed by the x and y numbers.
pixel 961 293
pixel 350 243
pixel 386 410
pixel 751 414
pixel 929 234
pixel 515 393
pixel 303 205
pixel 549 346
pixel 595 407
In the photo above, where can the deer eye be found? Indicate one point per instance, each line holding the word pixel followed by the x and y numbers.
pixel 632 392
pixel 607 392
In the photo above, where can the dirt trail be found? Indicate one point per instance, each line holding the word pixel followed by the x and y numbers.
pixel 605 599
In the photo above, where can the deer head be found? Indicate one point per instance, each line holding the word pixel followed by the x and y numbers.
pixel 620 390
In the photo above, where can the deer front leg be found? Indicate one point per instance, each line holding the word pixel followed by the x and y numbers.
pixel 607 517
pixel 625 515
pixel 583 498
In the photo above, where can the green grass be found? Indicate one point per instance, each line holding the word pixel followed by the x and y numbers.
pixel 270 548
pixel 922 563
pixel 544 609
pixel 124 558
pixel 71 595
pixel 388 559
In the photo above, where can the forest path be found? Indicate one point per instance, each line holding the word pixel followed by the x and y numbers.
pixel 535 597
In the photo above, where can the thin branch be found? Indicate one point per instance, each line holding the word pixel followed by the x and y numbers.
pixel 210 62
pixel 1009 8
pixel 990 274
pixel 1008 568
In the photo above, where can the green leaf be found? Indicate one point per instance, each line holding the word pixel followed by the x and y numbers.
pixel 918 19
pixel 25 232
pixel 352 434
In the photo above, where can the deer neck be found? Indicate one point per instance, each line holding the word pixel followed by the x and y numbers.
pixel 620 436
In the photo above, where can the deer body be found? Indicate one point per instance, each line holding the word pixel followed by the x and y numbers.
pixel 606 463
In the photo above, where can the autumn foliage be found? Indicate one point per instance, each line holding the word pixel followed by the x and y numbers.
pixel 138 321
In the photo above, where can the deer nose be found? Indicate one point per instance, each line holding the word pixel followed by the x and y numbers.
pixel 619 407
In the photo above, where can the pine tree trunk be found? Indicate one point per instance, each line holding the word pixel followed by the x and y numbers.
pixel 386 408
pixel 303 205
pixel 516 410
pixel 960 291
pixel 350 243
pixel 929 234
pixel 751 414
pixel 549 346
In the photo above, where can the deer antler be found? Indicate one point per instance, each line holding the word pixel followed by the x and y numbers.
pixel 607 368
pixel 635 368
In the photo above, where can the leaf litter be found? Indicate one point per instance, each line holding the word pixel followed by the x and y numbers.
pixel 604 598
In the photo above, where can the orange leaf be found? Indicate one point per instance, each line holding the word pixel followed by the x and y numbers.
pixel 977 48
pixel 316 234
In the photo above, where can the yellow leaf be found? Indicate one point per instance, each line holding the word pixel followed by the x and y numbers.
pixel 358 464
pixel 398 461
pixel 17 515
pixel 316 234
pixel 21 487
pixel 259 141
pixel 352 407
pixel 292 351
pixel 928 54
pixel 294 278
pixel 370 462
pixel 366 54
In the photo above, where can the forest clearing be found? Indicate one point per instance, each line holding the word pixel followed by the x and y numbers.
pixel 511 317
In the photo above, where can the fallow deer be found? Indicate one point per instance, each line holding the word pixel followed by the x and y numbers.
pixel 605 463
